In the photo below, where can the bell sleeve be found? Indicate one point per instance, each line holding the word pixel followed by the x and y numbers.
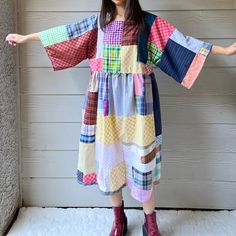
pixel 179 56
pixel 69 44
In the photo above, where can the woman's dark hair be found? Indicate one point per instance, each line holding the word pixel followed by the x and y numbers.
pixel 133 13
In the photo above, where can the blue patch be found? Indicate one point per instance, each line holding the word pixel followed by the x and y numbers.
pixel 143 38
pixel 176 60
pixel 156 106
pixel 76 29
pixel 87 139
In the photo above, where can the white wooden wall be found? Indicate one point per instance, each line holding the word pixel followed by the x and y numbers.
pixel 199 125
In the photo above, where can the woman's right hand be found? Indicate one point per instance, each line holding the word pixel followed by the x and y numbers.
pixel 13 39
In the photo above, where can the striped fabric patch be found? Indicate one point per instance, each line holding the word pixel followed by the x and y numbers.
pixel 176 60
pixel 87 139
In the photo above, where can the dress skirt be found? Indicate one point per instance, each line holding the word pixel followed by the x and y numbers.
pixel 121 113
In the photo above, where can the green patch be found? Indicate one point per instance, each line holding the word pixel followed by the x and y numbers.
pixel 111 58
pixel 53 35
pixel 154 54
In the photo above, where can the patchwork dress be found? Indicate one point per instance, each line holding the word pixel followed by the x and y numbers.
pixel 121 130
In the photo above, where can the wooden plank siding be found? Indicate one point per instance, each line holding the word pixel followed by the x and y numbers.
pixel 199 125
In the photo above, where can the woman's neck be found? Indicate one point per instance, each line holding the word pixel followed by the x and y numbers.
pixel 120 12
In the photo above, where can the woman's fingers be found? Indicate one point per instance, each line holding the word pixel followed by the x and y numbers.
pixel 11 39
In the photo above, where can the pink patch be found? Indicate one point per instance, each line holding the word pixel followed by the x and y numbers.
pixel 95 64
pixel 89 178
pixel 138 82
pixel 105 107
pixel 160 32
pixel 158 149
pixel 193 71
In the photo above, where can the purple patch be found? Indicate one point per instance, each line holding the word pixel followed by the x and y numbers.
pixel 113 32
pixel 106 110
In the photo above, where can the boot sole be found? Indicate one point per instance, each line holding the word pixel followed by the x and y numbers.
pixel 125 226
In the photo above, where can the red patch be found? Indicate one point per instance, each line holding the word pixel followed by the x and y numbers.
pixel 71 52
pixel 90 114
pixel 129 34
pixel 160 32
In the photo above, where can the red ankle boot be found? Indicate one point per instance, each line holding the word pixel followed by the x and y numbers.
pixel 119 226
pixel 150 227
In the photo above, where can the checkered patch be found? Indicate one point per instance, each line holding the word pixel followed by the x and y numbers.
pixel 69 53
pixel 142 180
pixel 154 54
pixel 76 29
pixel 160 32
pixel 111 58
pixel 90 114
pixel 113 33
pixel 53 35
pixel 130 34
pixel 89 179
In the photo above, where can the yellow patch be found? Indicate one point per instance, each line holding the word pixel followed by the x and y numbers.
pixel 137 129
pixel 117 177
pixel 129 63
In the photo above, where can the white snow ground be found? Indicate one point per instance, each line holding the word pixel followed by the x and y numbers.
pixel 37 221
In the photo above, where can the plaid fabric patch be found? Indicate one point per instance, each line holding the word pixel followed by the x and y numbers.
pixel 142 180
pixel 90 114
pixel 144 102
pixel 111 58
pixel 103 89
pixel 113 33
pixel 76 29
pixel 140 105
pixel 130 34
pixel 88 129
pixel 53 35
pixel 154 54
pixel 65 55
pixel 103 86
pixel 204 51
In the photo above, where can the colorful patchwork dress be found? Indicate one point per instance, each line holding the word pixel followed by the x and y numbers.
pixel 121 130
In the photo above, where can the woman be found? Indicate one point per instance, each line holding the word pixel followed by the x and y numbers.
pixel 123 43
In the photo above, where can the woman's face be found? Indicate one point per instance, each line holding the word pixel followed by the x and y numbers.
pixel 119 2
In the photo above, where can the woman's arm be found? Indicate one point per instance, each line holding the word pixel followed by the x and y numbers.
pixel 226 51
pixel 13 39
